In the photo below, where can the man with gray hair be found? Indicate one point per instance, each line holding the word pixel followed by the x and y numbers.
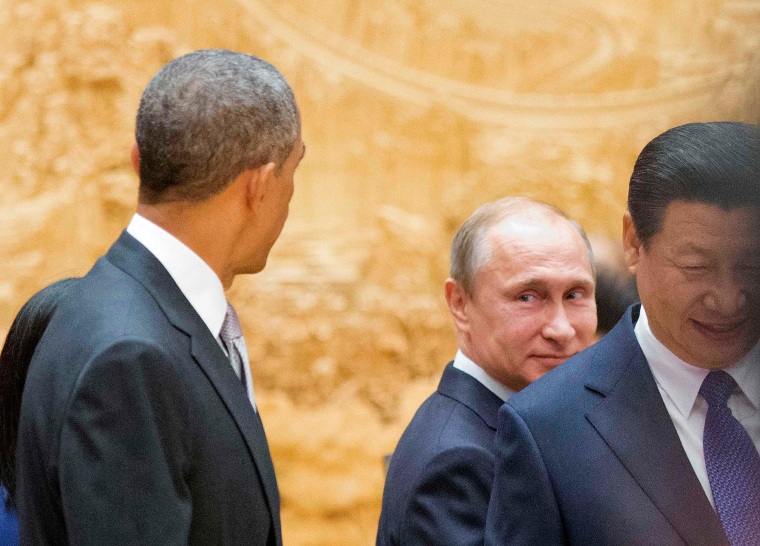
pixel 138 422
pixel 521 294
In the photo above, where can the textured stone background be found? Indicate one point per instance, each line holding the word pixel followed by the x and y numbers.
pixel 414 113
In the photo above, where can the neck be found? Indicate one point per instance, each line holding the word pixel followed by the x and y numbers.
pixel 201 227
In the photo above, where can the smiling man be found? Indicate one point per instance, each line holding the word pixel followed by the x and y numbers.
pixel 521 295
pixel 651 436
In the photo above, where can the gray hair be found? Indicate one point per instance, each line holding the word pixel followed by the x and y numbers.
pixel 471 248
pixel 208 116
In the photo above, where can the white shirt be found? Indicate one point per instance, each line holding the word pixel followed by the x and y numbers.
pixel 195 279
pixel 679 383
pixel 463 363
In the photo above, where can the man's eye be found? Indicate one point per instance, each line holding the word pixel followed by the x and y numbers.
pixel 694 268
pixel 526 297
pixel 574 295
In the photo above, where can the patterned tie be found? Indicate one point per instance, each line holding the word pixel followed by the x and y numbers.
pixel 232 336
pixel 733 464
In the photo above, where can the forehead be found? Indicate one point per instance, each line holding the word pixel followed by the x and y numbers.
pixel 709 229
pixel 538 249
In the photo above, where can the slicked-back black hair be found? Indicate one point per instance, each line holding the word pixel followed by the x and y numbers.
pixel 715 163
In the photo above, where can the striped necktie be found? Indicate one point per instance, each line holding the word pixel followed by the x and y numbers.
pixel 232 337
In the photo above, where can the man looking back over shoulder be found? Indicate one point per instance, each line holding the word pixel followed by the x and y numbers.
pixel 521 294
pixel 138 421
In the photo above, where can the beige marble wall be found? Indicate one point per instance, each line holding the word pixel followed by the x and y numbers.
pixel 414 113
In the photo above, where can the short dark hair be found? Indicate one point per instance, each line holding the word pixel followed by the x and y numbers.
pixel 23 337
pixel 208 116
pixel 715 163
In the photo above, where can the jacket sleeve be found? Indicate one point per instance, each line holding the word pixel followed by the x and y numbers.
pixel 523 509
pixel 124 450
pixel 449 502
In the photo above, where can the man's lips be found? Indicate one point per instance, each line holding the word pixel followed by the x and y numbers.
pixel 552 358
pixel 718 329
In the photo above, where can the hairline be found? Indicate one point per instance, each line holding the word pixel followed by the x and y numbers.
pixel 472 250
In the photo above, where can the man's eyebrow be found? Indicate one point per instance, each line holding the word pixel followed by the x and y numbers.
pixel 690 248
pixel 530 282
pixel 537 282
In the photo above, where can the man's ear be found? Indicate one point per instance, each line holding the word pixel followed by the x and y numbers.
pixel 135 159
pixel 631 244
pixel 259 184
pixel 457 300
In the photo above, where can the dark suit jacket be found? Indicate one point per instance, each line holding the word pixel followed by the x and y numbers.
pixel 589 455
pixel 134 427
pixel 439 478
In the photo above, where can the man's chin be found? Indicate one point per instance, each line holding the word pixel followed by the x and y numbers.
pixel 713 357
pixel 253 266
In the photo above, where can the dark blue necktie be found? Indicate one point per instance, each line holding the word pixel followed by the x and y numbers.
pixel 733 464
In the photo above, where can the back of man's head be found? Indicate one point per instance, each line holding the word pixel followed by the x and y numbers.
pixel 208 116
pixel 714 163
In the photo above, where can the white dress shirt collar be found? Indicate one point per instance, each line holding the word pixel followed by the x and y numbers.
pixel 681 380
pixel 463 363
pixel 197 281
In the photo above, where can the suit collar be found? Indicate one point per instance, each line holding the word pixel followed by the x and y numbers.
pixel 463 363
pixel 194 277
pixel 466 390
pixel 633 421
pixel 135 260
pixel 607 371
pixel 205 350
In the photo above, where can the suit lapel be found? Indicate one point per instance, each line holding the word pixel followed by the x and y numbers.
pixel 135 260
pixel 467 390
pixel 209 356
pixel 635 424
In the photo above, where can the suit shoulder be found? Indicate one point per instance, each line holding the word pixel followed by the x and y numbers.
pixel 448 500
pixel 442 423
pixel 603 361
pixel 463 459
pixel 125 374
pixel 105 307
pixel 574 370
pixel 130 351
pixel 561 388
pixel 445 454
pixel 442 438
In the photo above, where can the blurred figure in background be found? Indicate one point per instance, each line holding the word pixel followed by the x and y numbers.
pixel 615 286
pixel 521 294
pixel 22 339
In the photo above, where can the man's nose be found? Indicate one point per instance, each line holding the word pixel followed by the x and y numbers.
pixel 727 296
pixel 558 326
